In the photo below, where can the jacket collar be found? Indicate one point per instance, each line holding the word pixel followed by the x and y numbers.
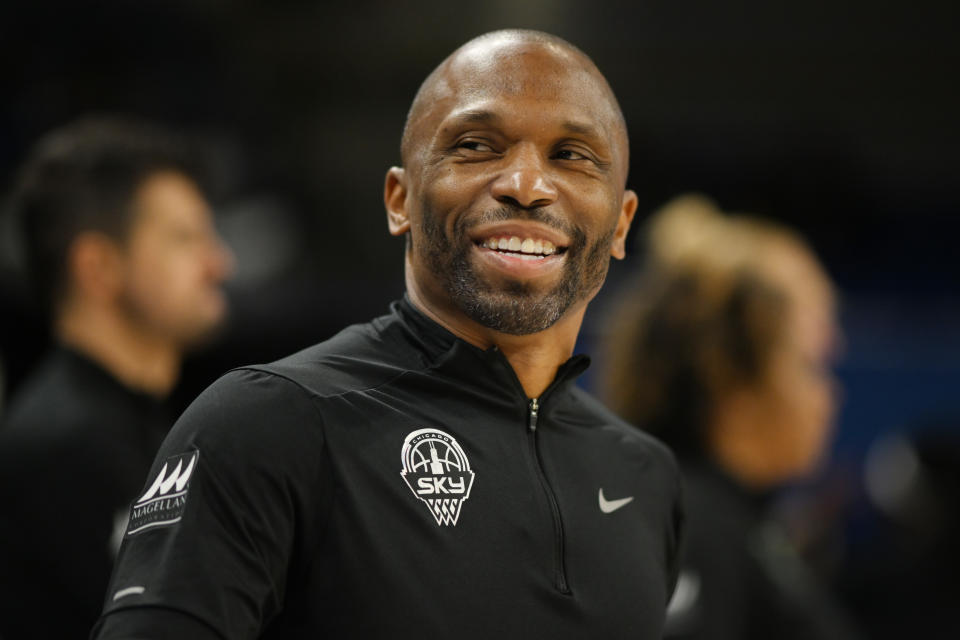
pixel 445 351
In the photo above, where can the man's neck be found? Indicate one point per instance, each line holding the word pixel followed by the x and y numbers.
pixel 535 358
pixel 137 360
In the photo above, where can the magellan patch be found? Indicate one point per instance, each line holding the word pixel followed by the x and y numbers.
pixel 164 501
pixel 437 471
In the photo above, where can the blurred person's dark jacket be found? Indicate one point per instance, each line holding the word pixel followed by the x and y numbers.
pixel 741 578
pixel 75 448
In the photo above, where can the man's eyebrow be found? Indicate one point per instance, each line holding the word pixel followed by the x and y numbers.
pixel 475 116
pixel 582 128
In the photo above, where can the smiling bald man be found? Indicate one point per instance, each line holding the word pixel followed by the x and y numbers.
pixel 434 473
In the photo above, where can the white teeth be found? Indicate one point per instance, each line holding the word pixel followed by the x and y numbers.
pixel 527 247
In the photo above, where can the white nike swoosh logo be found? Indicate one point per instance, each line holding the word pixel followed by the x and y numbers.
pixel 609 506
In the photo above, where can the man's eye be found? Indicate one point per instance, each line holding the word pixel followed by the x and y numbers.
pixel 570 154
pixel 474 145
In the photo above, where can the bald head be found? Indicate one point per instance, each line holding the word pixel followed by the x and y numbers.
pixel 501 63
pixel 515 140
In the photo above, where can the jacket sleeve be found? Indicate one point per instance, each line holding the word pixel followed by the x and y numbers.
pixel 215 536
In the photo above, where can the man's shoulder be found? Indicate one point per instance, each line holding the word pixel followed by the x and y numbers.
pixel 53 402
pixel 60 422
pixel 360 357
pixel 627 434
pixel 279 411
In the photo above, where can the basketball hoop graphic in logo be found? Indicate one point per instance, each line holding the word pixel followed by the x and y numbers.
pixel 437 471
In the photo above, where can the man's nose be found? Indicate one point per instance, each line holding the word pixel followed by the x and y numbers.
pixel 221 261
pixel 524 180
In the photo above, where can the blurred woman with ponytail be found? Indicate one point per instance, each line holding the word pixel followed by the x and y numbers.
pixel 722 348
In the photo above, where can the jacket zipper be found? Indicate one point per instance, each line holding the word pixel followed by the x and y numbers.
pixel 561 567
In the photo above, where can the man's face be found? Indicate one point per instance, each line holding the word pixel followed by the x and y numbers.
pixel 174 262
pixel 515 194
pixel 800 382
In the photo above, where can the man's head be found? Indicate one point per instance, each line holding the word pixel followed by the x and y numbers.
pixel 111 216
pixel 513 186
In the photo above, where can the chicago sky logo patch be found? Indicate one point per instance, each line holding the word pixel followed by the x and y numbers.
pixel 437 471
pixel 164 501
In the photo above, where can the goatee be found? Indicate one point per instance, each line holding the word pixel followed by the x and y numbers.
pixel 514 307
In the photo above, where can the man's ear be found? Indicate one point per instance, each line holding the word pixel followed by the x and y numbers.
pixel 95 265
pixel 628 208
pixel 395 201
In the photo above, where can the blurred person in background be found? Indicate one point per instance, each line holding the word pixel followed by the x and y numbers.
pixel 723 348
pixel 122 252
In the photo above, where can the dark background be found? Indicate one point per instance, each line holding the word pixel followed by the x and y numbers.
pixel 839 118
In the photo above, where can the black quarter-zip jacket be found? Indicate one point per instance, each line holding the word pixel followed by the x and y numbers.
pixel 396 482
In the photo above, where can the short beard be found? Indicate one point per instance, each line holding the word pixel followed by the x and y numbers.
pixel 515 308
pixel 187 336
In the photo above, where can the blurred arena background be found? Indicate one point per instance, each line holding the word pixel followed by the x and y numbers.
pixel 839 118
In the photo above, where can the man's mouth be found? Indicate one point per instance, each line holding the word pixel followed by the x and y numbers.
pixel 523 248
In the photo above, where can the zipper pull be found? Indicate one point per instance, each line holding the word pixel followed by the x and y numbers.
pixel 534 410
